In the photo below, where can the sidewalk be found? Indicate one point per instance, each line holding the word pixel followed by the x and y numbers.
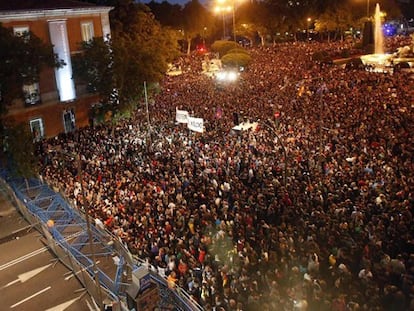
pixel 11 222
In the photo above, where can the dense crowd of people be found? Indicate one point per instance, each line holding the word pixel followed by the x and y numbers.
pixel 311 210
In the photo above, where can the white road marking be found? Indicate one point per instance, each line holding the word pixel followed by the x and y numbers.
pixel 63 306
pixel 23 258
pixel 27 275
pixel 11 283
pixel 30 297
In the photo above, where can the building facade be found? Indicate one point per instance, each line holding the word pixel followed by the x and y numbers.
pixel 57 103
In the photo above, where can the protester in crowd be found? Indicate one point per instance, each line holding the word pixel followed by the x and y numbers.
pixel 212 212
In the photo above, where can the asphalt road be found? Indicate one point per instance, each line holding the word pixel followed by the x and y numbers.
pixel 30 276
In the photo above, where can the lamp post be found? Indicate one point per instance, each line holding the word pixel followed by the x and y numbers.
pixel 222 8
pixel 234 21
pixel 219 9
pixel 308 25
pixel 368 8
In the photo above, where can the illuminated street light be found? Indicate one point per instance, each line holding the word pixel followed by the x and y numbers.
pixel 308 25
pixel 222 10
pixel 234 20
pixel 221 7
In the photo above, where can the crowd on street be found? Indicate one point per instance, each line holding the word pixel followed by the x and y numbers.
pixel 310 210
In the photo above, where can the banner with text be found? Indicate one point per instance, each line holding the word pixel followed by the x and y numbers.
pixel 196 124
pixel 181 116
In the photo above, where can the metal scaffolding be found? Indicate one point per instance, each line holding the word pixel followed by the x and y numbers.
pixel 65 230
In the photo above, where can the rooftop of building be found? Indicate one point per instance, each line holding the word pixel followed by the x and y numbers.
pixel 20 5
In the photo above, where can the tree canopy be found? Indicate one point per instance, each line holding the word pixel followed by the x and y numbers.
pixel 21 60
pixel 139 50
pixel 192 20
pixel 21 151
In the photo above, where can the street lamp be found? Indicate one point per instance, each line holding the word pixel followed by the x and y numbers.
pixel 222 10
pixel 204 35
pixel 234 21
pixel 308 25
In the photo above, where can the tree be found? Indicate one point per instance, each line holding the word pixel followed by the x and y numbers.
pixel 21 151
pixel 326 24
pixel 261 20
pixel 266 19
pixel 236 60
pixel 296 14
pixel 95 67
pixel 167 14
pixel 195 19
pixel 21 60
pixel 253 17
pixel 140 50
pixel 222 47
pixel 336 19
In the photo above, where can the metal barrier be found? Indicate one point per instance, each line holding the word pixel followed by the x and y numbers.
pixel 65 232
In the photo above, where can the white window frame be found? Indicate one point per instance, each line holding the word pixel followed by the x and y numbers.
pixel 71 126
pixel 87 31
pixel 33 123
pixel 31 93
pixel 20 30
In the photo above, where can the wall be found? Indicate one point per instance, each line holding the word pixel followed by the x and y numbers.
pixel 50 109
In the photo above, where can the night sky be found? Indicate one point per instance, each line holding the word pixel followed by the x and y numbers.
pixel 181 2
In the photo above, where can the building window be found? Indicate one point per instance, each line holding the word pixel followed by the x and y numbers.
pixel 69 120
pixel 20 31
pixel 36 126
pixel 31 93
pixel 87 31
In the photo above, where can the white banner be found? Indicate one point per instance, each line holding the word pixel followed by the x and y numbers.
pixel 196 124
pixel 245 126
pixel 181 116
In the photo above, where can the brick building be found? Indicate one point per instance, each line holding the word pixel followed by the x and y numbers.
pixel 56 103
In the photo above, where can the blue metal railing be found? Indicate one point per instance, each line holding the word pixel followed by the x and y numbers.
pixel 47 204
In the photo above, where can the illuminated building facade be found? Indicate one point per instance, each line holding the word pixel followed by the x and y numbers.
pixel 56 103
